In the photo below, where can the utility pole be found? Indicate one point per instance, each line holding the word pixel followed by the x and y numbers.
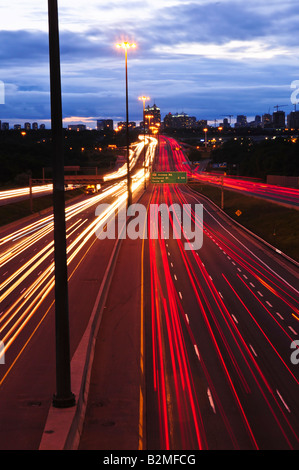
pixel 64 398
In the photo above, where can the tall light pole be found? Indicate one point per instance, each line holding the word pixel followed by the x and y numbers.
pixel 206 142
pixel 64 397
pixel 126 45
pixel 144 99
pixel 149 117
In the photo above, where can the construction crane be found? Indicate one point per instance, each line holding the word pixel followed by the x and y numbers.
pixel 282 106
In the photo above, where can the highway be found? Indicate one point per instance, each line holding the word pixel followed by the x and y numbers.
pixel 27 330
pixel 206 332
pixel 222 320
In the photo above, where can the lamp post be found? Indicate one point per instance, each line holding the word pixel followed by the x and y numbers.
pixel 64 398
pixel 144 99
pixel 149 117
pixel 126 45
pixel 206 142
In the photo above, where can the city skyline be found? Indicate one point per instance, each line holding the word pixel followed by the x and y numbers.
pixel 247 67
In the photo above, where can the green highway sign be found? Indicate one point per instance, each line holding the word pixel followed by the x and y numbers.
pixel 169 177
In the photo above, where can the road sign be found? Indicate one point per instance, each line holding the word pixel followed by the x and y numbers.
pixel 169 177
pixel 238 213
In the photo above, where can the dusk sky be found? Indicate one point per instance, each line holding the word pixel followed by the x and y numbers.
pixel 207 59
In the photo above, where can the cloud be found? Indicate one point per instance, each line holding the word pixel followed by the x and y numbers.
pixel 203 57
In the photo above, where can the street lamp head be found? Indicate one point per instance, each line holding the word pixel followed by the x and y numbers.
pixel 143 98
pixel 126 45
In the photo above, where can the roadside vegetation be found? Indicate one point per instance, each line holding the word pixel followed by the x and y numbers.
pixel 276 224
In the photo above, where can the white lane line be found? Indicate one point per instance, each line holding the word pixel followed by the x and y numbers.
pixel 175 277
pixel 268 303
pixel 187 318
pixel 252 285
pixel 286 406
pixel 196 351
pixel 253 350
pixel 235 320
pixel 260 294
pixel 220 294
pixel 211 400
pixel 292 330
pixel 180 294
pixel 280 316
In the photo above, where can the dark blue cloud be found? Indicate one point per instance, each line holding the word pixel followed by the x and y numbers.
pixel 204 86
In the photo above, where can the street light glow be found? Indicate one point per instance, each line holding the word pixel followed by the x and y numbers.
pixel 144 98
pixel 126 45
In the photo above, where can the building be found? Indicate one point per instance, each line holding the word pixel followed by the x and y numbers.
pixel 202 123
pixel 267 121
pixel 104 125
pixel 42 126
pixel 153 111
pixel 122 125
pixel 35 126
pixel 226 123
pixel 279 120
pixel 77 128
pixel 241 121
pixel 17 127
pixel 27 126
pixel 293 120
pixel 179 121
pixel 258 121
pixel 5 126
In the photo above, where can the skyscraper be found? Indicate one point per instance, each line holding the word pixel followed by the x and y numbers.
pixel 293 120
pixel 155 112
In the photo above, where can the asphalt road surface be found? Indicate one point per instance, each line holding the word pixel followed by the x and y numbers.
pixel 195 347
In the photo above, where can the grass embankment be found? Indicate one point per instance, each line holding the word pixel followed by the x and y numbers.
pixel 276 224
pixel 12 212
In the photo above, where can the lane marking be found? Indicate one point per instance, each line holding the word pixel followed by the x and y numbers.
pixel 211 400
pixel 284 403
pixel 292 330
pixel 253 350
pixel 196 351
